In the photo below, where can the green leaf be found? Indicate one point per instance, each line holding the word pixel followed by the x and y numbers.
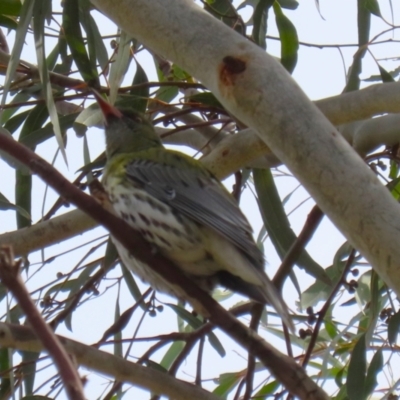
pixel 35 120
pixel 277 223
pixel 267 390
pixel 8 22
pixel 95 43
pixel 52 58
pixel 375 305
pixel 40 135
pixel 393 174
pixel 22 28
pixel 5 204
pixel 73 35
pixel 377 78
pixel 23 186
pixel 227 382
pixel 28 371
pixel 374 368
pixel 90 116
pixel 356 375
pixel 339 378
pixel 167 93
pixel 188 317
pixel 289 39
pixel 288 4
pixel 216 344
pixel 171 354
pixel 61 287
pixel 226 12
pixel 10 7
pixel 132 285
pixel 196 323
pixel 118 350
pixel 6 114
pixel 205 98
pixel 5 371
pixel 101 50
pixel 320 291
pixel 260 17
pixel 363 291
pixel 74 285
pixel 394 327
pixel 386 76
pixel 364 25
pixel 373 7
pixel 39 16
pixel 120 65
pixel 110 256
pixel 331 328
pixel 139 95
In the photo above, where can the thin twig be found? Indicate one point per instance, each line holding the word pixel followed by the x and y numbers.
pixel 10 276
pixel 325 308
pixel 313 220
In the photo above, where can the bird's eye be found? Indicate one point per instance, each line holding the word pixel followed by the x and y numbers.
pixel 137 119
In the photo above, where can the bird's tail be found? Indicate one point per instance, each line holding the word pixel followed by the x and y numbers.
pixel 265 293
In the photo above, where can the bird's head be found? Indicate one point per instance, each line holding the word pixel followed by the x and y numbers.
pixel 126 129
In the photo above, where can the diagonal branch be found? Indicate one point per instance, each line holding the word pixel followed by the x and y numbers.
pixel 47 233
pixel 22 338
pixel 11 278
pixel 284 368
pixel 257 90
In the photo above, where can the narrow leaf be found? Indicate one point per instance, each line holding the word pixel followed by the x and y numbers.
pixel 141 94
pixel 120 65
pixel 73 35
pixel 28 371
pixel 227 382
pixel 260 17
pixel 386 77
pixel 170 356
pixel 373 7
pixel 277 223
pixel 39 17
pixel 374 368
pixel 10 7
pixel 289 39
pixel 23 23
pixel 356 375
pixel 363 25
pixel 5 204
pixel 394 327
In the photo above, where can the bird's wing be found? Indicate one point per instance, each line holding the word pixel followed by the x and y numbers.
pixel 198 195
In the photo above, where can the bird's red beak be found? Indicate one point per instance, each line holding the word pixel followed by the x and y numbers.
pixel 106 107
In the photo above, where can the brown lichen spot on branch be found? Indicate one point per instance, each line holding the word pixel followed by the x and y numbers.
pixel 225 152
pixel 230 68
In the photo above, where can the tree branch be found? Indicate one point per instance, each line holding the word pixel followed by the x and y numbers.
pixel 47 233
pixel 22 338
pixel 284 368
pixel 258 91
pixel 11 278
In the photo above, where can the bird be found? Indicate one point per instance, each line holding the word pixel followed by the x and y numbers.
pixel 181 209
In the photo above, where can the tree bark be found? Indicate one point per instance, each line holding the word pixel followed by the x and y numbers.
pixel 259 92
